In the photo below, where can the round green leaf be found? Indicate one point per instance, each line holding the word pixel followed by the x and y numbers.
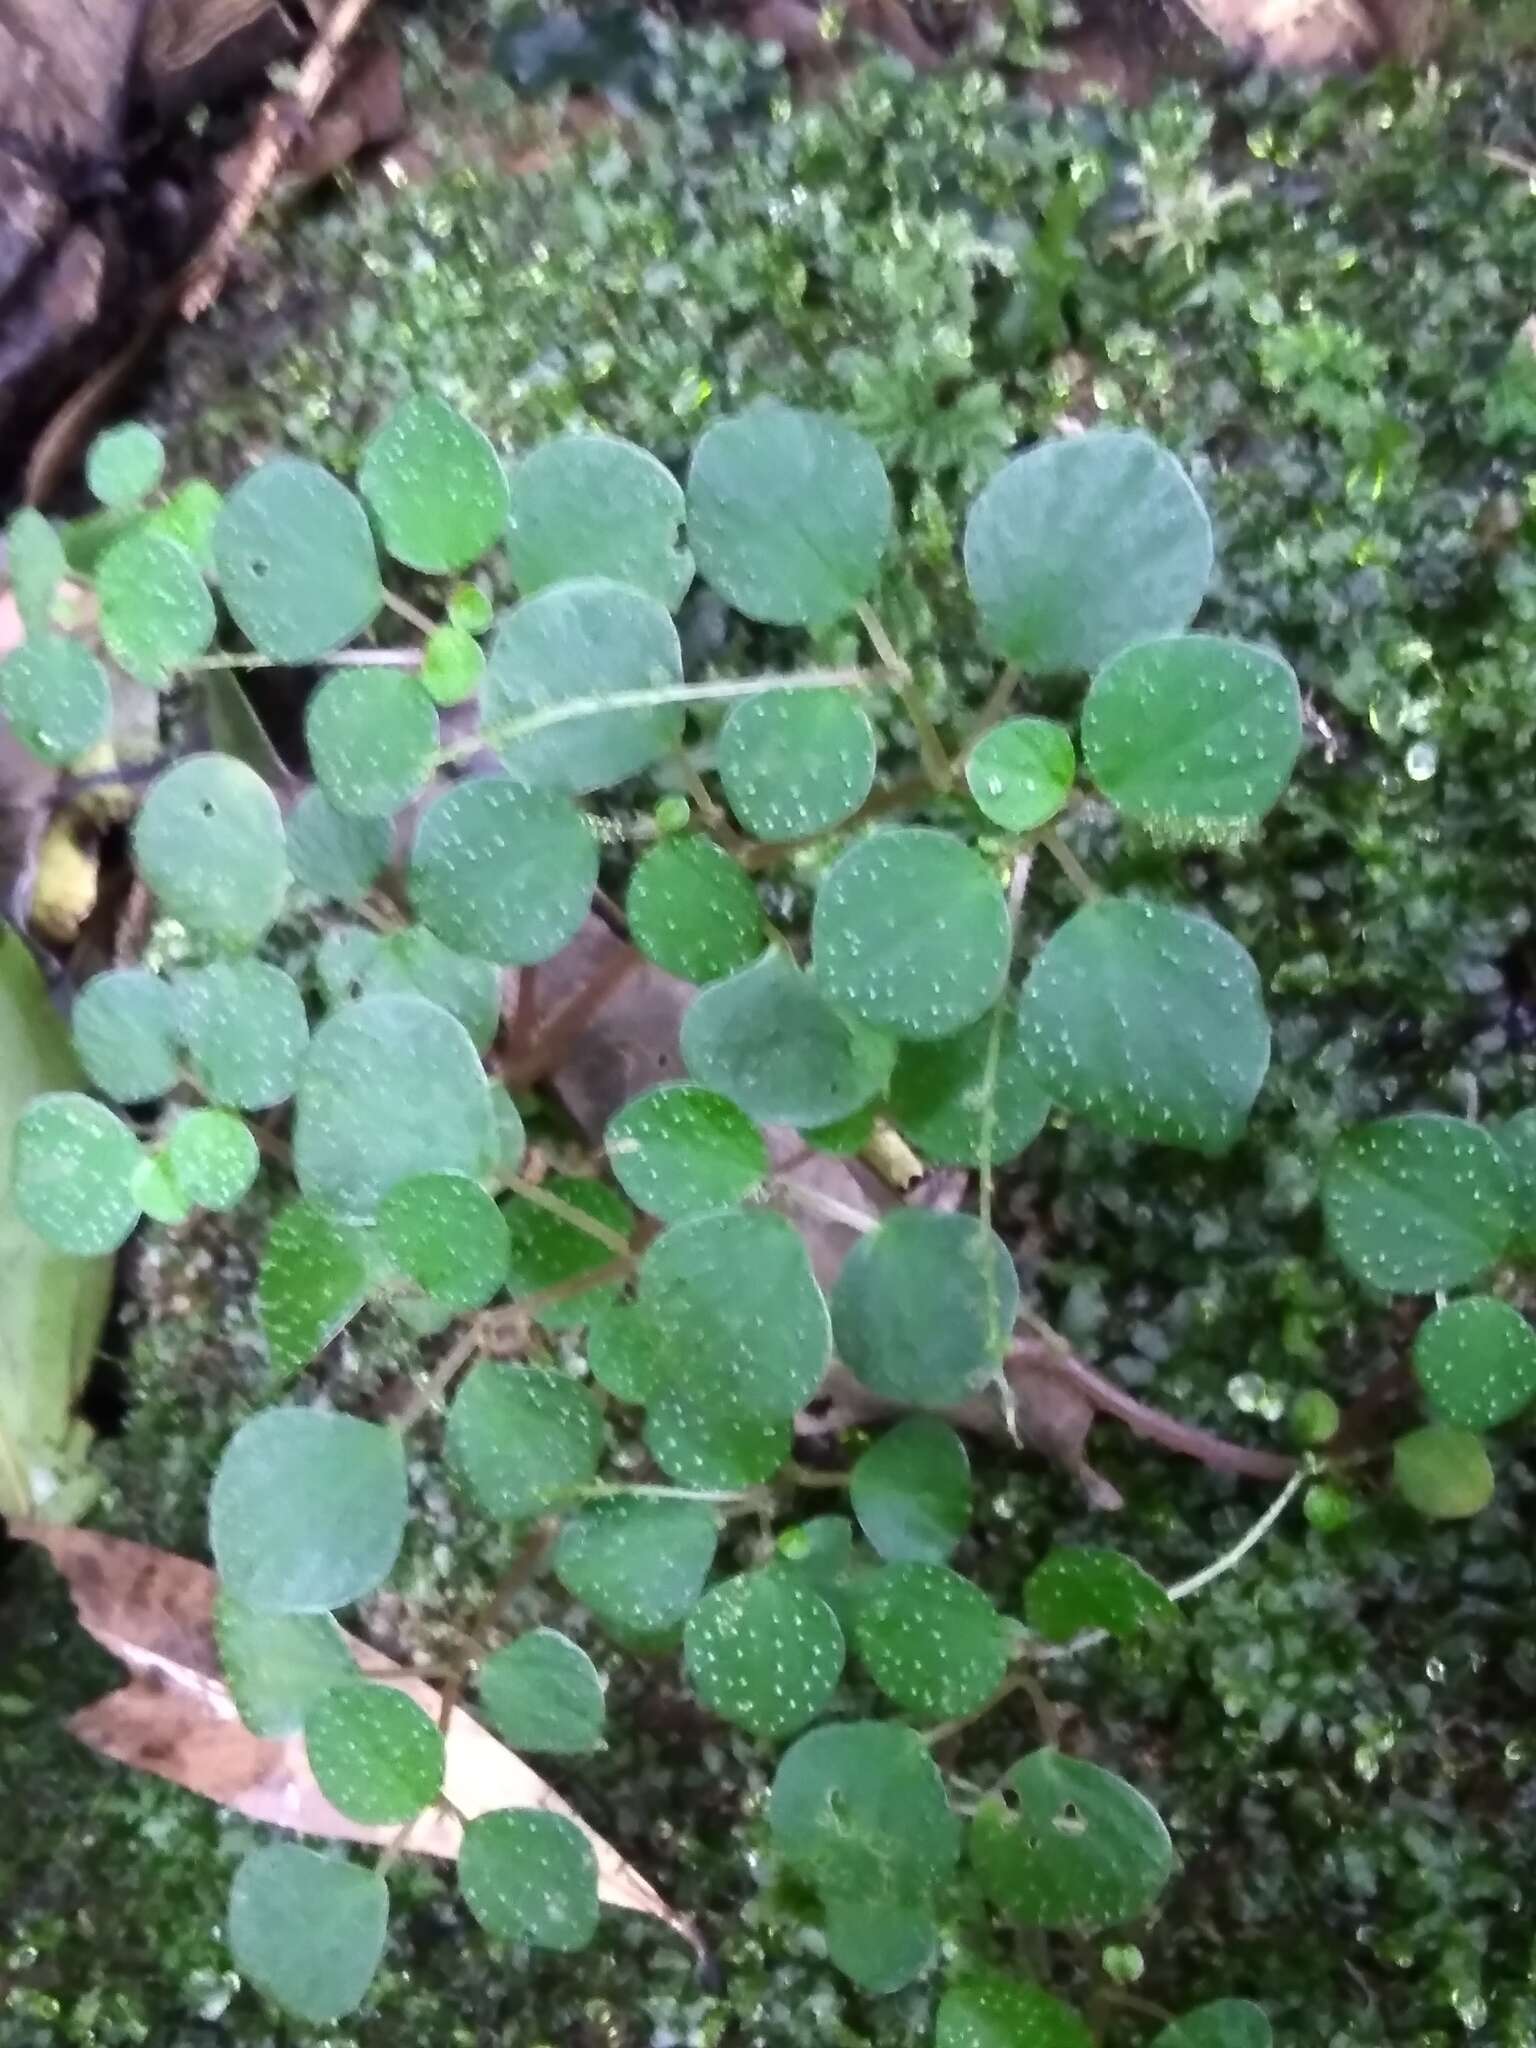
pixel 639 1564
pixel 586 505
pixel 911 933
pixel 307 1509
pixel 447 1234
pixel 768 1039
pixel 213 1157
pixel 993 2011
pixel 372 737
pixel 209 843
pixel 789 513
pixel 156 614
pixel 933 1642
pixel 376 1755
pixel 469 609
pixel 37 564
pixel 693 910
pixel 392 1086
pixel 188 517
pixel 278 1665
pixel 1021 772
pixel 296 561
pixel 911 1491
pixel 1228 2023
pixel 244 1026
pixel 794 762
pixel 880 1943
pixel 763 1651
pixel 355 963
pixel 1148 1022
pixel 1081 1586
pixel 124 1028
pixel 73 1173
pixel 938 1097
pixel 1067 1845
pixel 737 1309
pixel 452 663
pixel 1194 733
pixel 333 855
pixel 677 1150
pixel 1476 1361
pixel 580 643
pixel 435 486
pixel 547 1251
pixel 530 1877
pixel 1414 1203
pixel 503 872
pixel 697 1446
pixel 124 464
pixel 524 1437
pixel 859 1810
pixel 1442 1472
pixel 1084 544
pixel 307 1929
pixel 542 1692
pixel 55 697
pixel 314 1279
pixel 924 1306
pixel 1517 1141
pixel 626 1353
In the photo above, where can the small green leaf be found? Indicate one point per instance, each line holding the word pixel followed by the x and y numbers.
pixel 911 1491
pixel 993 2011
pixel 278 1665
pixel 933 1642
pixel 123 465
pixel 37 565
pixel 530 1877
pixel 1081 1586
pixel 626 1352
pixel 314 1279
pixel 699 1446
pixel 307 1509
pixel 1084 544
pixel 372 737
pixel 156 614
pixel 447 1235
pixel 333 855
pixel 209 844
pixel 213 1158
pixel 768 1039
pixel 1517 1141
pixel 911 933
pixel 882 1944
pixel 1021 772
pixel 1476 1361
pixel 822 1553
pixel 1067 1845
pixel 678 1150
pixel 244 1027
pixel 1442 1472
pixel 639 1564
pixel 693 910
pixel 307 1929
pixel 1194 732
pixel 296 561
pixel 73 1173
pixel 55 697
pixel 924 1306
pixel 789 513
pixel 188 517
pixel 1228 2023
pixel 469 609
pixel 1148 1022
pixel 158 1192
pixel 1415 1203
pixel 124 1028
pixel 586 505
pixel 859 1810
pixel 542 1692
pixel 435 486
pixel 525 1437
pixel 938 1097
pixel 577 643
pixel 547 1251
pixel 737 1307
pixel 452 664
pixel 376 1755
pixel 794 762
pixel 764 1651
pixel 503 872
pixel 392 1086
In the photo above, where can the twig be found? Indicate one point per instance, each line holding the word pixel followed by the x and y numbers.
pixel 556 1205
pixel 828 1206
pixel 936 764
pixel 1070 865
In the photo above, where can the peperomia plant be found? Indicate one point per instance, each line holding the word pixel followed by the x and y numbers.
pixel 623 1353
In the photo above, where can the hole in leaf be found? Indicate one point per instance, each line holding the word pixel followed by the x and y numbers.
pixel 260 566
pixel 1070 1820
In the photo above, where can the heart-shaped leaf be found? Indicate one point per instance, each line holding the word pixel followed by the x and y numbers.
pixel 639 1564
pixel 911 1491
pixel 314 1279
pixel 74 1168
pixel 1476 1361
pixel 1083 1586
pixel 243 1023
pixel 447 1235
pixel 541 1691
pixel 307 1929
pixel 859 1810
pixel 156 614
pixel 212 1157
pixel 700 1446
pixel 1414 1203
pixel 372 737
pixel 1067 1845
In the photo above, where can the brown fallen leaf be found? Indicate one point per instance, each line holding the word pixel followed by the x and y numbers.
pixel 175 1718
pixel 1302 35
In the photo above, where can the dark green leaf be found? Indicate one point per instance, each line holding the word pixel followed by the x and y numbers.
pixel 881 1944
pixel 502 872
pixel 1067 1845
pixel 1021 772
pixel 1228 2023
pixel 768 1039
pixel 938 1096
pixel 639 1564
pixel 697 1446
pixel 933 1642
pixel 296 561
pixel 911 1491
pixel 74 1167
pixel 447 1235
pixel 278 1665
pixel 314 1278
pixel 530 1877
pixel 525 1438
pixel 372 737
pixel 993 2011
pixel 924 1306
pixel 764 1651
pixel 860 1811
pixel 376 1755
pixel 333 855
pixel 1517 1141
pixel 124 1028
pixel 435 486
pixel 678 1150
pixel 1414 1203
pixel 1081 1586
pixel 1476 1361
pixel 209 843
pixel 794 762
pixel 542 1692
pixel 244 1026
pixel 547 1251
pixel 693 910
pixel 586 505
pixel 307 1929
pixel 626 1352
